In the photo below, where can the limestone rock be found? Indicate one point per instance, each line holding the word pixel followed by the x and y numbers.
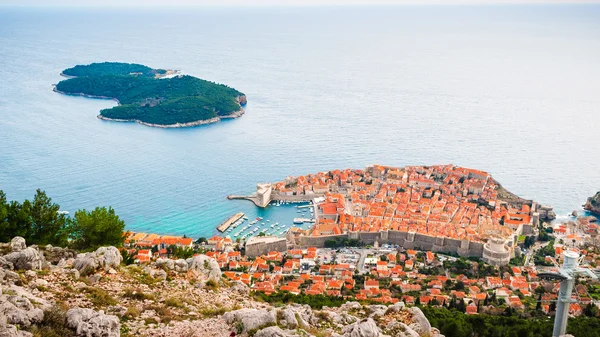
pixel 287 318
pixel 90 323
pixel 156 273
pixel 273 331
pixel 165 263
pixel 240 287
pixel 7 276
pixel 25 259
pixel 419 323
pixel 250 318
pixel 396 307
pixel 103 257
pixel 206 266
pixel 343 318
pixel 400 329
pixel 17 244
pixel 363 328
pixel 9 330
pixel 180 266
pixel 376 310
pixel 19 310
pixel 55 254
pixel 348 306
pixel 109 257
pixel 5 264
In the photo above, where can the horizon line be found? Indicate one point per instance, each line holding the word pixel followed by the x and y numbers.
pixel 303 5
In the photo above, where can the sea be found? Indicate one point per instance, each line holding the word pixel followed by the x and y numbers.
pixel 513 90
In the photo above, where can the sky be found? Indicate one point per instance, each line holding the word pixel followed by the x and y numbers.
pixel 137 3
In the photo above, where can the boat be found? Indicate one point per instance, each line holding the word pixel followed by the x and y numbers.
pixel 245 217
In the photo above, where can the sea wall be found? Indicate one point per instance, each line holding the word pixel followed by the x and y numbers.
pixel 407 240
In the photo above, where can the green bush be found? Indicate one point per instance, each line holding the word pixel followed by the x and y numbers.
pixel 99 297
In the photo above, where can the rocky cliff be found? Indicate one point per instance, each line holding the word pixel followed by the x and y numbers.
pixel 593 204
pixel 50 291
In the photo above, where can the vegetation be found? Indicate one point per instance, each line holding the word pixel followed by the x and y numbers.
pixel 112 68
pixel 454 323
pixel 314 301
pixel 40 222
pixel 99 227
pixel 54 324
pixel 181 99
pixel 343 242
pixel 37 221
pixel 99 297
pixel 180 252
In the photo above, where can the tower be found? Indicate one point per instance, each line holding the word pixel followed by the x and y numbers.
pixel 566 275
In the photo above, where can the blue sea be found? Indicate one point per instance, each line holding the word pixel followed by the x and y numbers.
pixel 513 90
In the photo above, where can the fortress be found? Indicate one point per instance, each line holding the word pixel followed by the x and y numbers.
pixel 407 240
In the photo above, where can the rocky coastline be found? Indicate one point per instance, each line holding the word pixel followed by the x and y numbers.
pixel 85 95
pixel 592 204
pixel 234 115
pixel 242 100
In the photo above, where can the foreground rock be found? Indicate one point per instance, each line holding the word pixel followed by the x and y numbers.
pixel 104 257
pixel 17 307
pixel 23 257
pixel 364 328
pixel 593 204
pixel 90 323
pixel 249 319
pixel 206 266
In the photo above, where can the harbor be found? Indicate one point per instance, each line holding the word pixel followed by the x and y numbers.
pixel 282 216
pixel 225 225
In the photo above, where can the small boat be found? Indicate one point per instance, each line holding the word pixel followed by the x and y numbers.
pixel 245 217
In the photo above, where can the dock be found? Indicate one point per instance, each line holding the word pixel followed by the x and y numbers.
pixel 225 225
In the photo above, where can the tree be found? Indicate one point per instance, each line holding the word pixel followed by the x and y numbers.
pixel 100 227
pixel 591 310
pixel 47 225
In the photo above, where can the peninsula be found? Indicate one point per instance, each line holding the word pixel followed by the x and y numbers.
pixel 152 97
pixel 442 208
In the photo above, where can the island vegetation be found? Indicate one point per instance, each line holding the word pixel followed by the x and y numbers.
pixel 145 97
pixel 39 221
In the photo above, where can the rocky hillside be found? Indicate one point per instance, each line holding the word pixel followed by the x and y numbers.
pixel 593 204
pixel 50 291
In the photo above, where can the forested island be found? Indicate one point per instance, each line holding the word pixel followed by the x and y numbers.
pixel 147 96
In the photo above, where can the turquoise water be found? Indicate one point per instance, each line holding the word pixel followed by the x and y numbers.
pixel 512 90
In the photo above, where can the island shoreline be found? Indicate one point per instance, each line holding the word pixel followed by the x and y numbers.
pixel 213 120
pixel 233 115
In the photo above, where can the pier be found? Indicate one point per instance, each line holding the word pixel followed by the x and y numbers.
pixel 223 227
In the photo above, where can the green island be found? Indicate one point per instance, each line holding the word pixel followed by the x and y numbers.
pixel 152 97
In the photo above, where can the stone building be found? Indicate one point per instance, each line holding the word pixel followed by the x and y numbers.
pixel 496 252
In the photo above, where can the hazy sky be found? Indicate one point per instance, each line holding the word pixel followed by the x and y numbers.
pixel 266 2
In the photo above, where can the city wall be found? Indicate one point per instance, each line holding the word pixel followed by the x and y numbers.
pixel 408 240
pixel 263 247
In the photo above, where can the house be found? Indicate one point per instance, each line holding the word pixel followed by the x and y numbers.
pixel 471 309
pixel 371 284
